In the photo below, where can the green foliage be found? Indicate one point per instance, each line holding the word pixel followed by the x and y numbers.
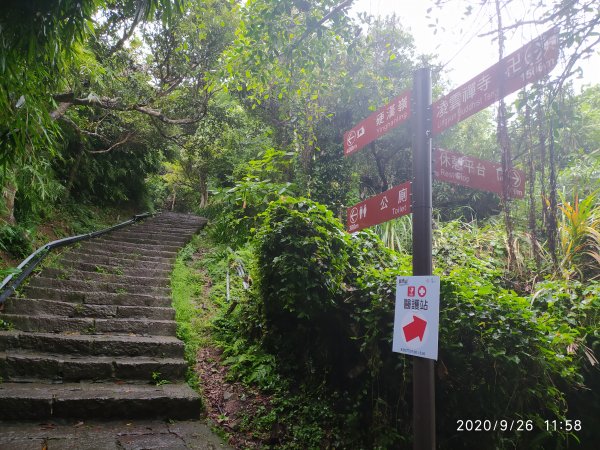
pixel 5 326
pixel 575 305
pixel 158 380
pixel 323 303
pixel 579 232
pixel 497 356
pixel 15 240
pixel 303 256
pixel 187 285
pixel 241 205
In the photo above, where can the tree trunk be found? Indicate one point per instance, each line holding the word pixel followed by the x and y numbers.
pixel 531 176
pixel 8 195
pixel 174 197
pixel 203 188
pixel 505 146
pixel 380 169
pixel 73 174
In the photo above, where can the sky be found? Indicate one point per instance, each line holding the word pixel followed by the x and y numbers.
pixel 457 44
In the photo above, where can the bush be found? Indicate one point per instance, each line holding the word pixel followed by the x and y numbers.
pixel 302 255
pixel 15 240
pixel 323 305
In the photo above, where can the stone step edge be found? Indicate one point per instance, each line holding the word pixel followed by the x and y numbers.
pixel 81 252
pixel 52 366
pixel 87 309
pixel 97 400
pixel 157 281
pixel 91 298
pixel 94 344
pixel 95 326
pixel 54 281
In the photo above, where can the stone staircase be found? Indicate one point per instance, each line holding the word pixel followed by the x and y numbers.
pixel 94 336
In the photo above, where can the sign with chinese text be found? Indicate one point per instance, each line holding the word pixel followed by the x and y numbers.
pixel 476 173
pixel 530 63
pixel 388 205
pixel 417 316
pixel 377 124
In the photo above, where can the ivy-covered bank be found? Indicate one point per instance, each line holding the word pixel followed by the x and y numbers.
pixel 307 318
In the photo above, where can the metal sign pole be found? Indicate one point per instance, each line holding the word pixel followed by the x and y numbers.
pixel 423 382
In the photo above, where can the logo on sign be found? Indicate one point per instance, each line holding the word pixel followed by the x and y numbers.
pixel 422 291
pixel 351 139
pixel 411 291
pixel 354 214
pixel 362 213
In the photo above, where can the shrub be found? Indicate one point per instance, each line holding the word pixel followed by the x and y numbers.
pixel 323 305
pixel 302 255
pixel 15 240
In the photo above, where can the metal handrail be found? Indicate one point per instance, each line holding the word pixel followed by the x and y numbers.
pixel 30 263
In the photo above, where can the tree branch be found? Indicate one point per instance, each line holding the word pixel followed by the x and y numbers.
pixel 326 17
pixel 139 14
pixel 121 142
pixel 67 99
pixel 79 130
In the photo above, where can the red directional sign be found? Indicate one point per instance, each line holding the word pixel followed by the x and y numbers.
pixel 530 63
pixel 391 204
pixel 377 124
pixel 476 173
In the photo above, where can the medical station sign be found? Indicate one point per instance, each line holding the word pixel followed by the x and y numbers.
pixel 417 316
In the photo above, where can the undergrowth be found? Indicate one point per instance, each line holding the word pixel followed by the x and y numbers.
pixel 188 287
pixel 314 329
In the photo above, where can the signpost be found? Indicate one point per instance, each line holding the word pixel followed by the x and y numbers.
pixel 388 205
pixel 475 173
pixel 417 316
pixel 530 63
pixel 423 382
pixel 417 297
pixel 377 124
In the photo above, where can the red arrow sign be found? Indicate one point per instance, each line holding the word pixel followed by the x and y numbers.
pixel 530 63
pixel 388 205
pixel 414 329
pixel 475 173
pixel 377 124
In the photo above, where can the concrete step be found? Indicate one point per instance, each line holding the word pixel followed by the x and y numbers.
pixel 47 323
pixel 96 286
pixel 97 298
pixel 121 250
pixel 36 307
pixel 20 401
pixel 182 229
pixel 162 233
pixel 137 269
pixel 120 258
pixel 129 247
pixel 82 275
pixel 19 365
pixel 98 344
pixel 148 238
pixel 160 246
